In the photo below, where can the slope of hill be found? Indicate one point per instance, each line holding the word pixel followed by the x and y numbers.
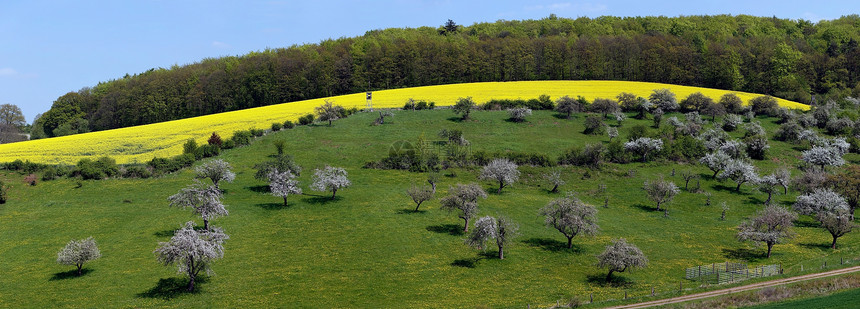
pixel 367 248
pixel 791 59
pixel 142 143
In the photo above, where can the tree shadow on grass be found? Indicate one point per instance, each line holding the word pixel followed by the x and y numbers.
pixel 320 199
pixel 450 229
pixel 820 246
pixel 753 200
pixel 456 119
pixel 644 207
pixel 745 254
pixel 806 223
pixel 407 211
pixel 72 274
pixel 729 189
pixel 272 206
pixel 563 116
pixel 171 288
pixel 616 281
pixel 552 245
pixel 473 261
pixel 171 232
pixel 259 189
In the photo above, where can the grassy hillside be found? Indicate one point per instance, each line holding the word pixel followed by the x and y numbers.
pixel 366 249
pixel 142 143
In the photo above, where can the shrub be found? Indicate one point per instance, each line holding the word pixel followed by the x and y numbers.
pixel 207 151
pixel 686 148
pixel 3 192
pixel 108 166
pixel 229 144
pixel 30 179
pixel 616 153
pixel 184 160
pixel 764 105
pixel 215 139
pixel 306 119
pixel 593 125
pixel 289 124
pixel 841 126
pixel 637 131
pixel 592 156
pixel 518 114
pixel 732 103
pixel 276 126
pixel 88 169
pixel 788 132
pixel 731 122
pixel 136 171
pixel 257 132
pixel 241 138
pixel 50 173
pixel 190 146
pixel 163 165
pixel 16 165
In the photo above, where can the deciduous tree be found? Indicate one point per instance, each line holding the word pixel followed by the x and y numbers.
pixel 739 171
pixel 420 195
pixel 502 230
pixel 464 107
pixel 660 191
pixel 464 198
pixel 203 200
pixel 216 170
pixel 78 252
pixel 283 184
pixel 328 111
pixel 503 171
pixel 192 251
pixel 772 225
pixel 570 217
pixel 621 256
pixel 330 179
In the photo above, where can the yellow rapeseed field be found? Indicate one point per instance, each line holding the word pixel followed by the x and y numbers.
pixel 142 143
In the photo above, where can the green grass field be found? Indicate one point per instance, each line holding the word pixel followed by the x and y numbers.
pixel 366 249
pixel 842 300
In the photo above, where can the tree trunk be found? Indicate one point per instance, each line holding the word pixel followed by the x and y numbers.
pixel 833 245
pixel 570 242
pixel 658 206
pixel 769 194
pixel 609 275
pixel 333 192
pixel 82 265
pixel 501 252
pixel 433 184
pixel 190 282
pixel 687 184
pixel 738 188
pixel 715 174
pixel 769 247
pixel 215 182
pixel 329 122
pixel 416 207
pixel 554 189
pixel 665 212
pixel 285 201
pixel 465 226
pixel 501 185
pixel 206 225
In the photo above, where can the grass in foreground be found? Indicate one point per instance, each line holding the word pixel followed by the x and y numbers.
pixel 367 248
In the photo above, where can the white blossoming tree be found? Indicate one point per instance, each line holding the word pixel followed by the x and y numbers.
pixel 501 230
pixel 330 179
pixel 571 217
pixel 283 184
pixel 464 198
pixel 192 251
pixel 216 170
pixel 621 256
pixel 740 172
pixel 204 200
pixel 503 171
pixel 771 225
pixel 78 252
pixel 643 146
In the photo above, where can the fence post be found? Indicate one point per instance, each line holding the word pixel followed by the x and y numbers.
pixel 780 268
pixel 591 298
pixel 680 286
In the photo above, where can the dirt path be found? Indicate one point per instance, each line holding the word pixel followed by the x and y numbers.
pixel 743 288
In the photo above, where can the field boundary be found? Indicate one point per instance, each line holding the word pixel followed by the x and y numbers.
pixel 743 288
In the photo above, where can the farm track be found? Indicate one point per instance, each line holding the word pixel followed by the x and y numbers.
pixel 733 290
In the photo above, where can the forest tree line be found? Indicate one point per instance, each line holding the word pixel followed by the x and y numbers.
pixel 793 59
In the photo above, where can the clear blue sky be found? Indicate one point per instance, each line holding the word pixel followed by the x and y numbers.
pixel 48 48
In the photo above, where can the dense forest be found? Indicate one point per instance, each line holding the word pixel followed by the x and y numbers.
pixel 794 59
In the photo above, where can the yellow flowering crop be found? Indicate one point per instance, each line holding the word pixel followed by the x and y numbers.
pixel 142 143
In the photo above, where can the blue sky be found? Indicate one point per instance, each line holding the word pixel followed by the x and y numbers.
pixel 48 48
